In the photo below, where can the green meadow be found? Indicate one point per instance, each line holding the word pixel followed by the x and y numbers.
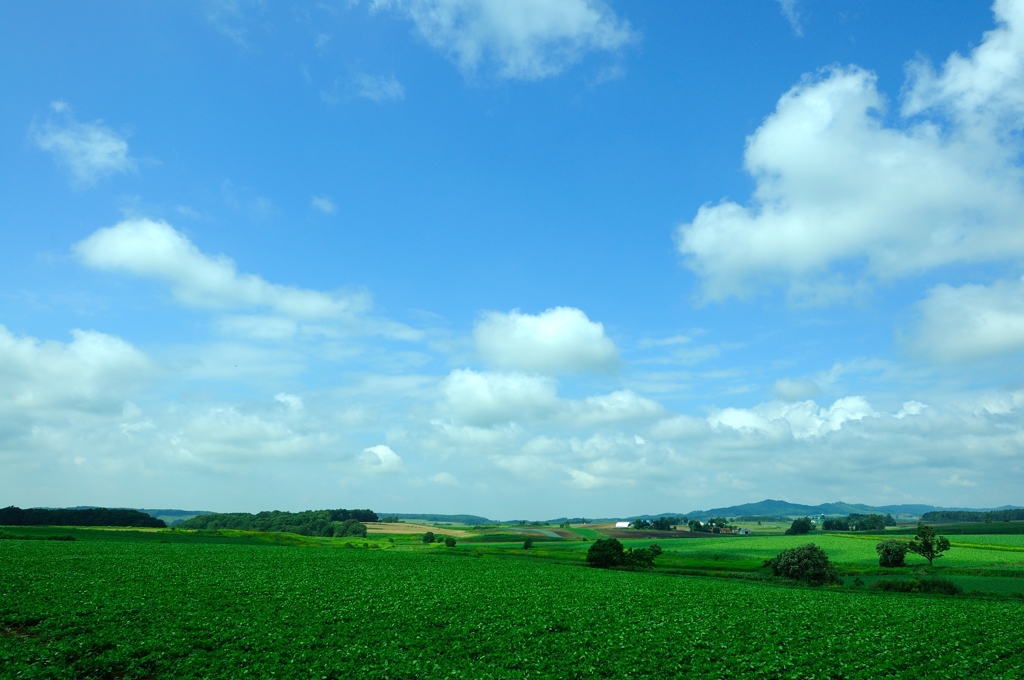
pixel 231 604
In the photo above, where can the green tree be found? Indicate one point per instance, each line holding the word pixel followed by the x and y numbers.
pixel 349 527
pixel 639 524
pixel 891 553
pixel 664 524
pixel 806 563
pixel 604 553
pixel 927 544
pixel 800 526
pixel 449 541
pixel 527 544
pixel 429 537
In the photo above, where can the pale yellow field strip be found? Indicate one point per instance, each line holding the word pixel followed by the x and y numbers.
pixel 405 528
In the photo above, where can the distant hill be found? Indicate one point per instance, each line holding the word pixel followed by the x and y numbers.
pixel 455 519
pixel 775 508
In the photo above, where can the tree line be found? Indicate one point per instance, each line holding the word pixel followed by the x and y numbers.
pixel 85 517
pixel 338 523
pixel 971 516
pixel 859 522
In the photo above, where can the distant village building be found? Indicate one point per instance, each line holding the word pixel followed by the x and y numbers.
pixel 743 532
pixel 622 525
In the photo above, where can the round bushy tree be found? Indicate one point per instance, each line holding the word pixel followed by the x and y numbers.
pixel 806 563
pixel 449 541
pixel 527 544
pixel 605 552
pixel 891 553
pixel 800 526
pixel 429 537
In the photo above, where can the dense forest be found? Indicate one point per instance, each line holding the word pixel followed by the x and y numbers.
pixel 971 516
pixel 307 523
pixel 87 517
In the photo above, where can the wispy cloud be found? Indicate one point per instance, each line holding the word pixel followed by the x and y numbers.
pixel 90 151
pixel 792 14
pixel 324 205
pixel 525 40
pixel 378 89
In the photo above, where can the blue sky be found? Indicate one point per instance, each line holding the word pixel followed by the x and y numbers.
pixel 523 259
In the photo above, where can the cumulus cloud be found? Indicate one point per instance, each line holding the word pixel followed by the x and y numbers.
pixel 525 40
pixel 93 372
pixel 486 398
pixel 155 249
pixel 381 459
pixel 378 89
pixel 559 340
pixel 971 322
pixel 843 199
pixel 802 419
pixel 90 151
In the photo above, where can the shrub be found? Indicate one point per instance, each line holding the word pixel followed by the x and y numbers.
pixel 655 549
pixel 606 552
pixel 941 586
pixel 891 553
pixel 800 526
pixel 527 544
pixel 806 563
pixel 429 537
pixel 449 541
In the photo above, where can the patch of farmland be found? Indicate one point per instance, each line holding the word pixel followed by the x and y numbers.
pixel 407 528
pixel 132 610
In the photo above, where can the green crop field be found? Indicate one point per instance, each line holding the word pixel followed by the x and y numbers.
pixel 236 605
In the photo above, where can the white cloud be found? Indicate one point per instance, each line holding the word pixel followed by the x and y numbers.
pixel 324 205
pixel 93 372
pixel 971 322
pixel 381 459
pixel 90 151
pixel 616 407
pixel 802 419
pixel 788 389
pixel 292 401
pixel 155 249
pixel 839 190
pixel 911 408
pixel 526 40
pixel 559 340
pixel 445 478
pixel 378 89
pixel 792 14
pixel 488 398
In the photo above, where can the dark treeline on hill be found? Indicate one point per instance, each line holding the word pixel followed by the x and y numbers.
pixel 968 516
pixel 308 523
pixel 77 517
pixel 859 522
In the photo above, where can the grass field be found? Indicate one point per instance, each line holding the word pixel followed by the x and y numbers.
pixel 132 604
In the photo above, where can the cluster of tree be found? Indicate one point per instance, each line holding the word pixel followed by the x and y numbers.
pixel 392 519
pixel 429 537
pixel 806 563
pixel 608 552
pixel 801 526
pixel 307 523
pixel 660 524
pixel 858 522
pixel 87 517
pixel 893 553
pixel 712 526
pixel 968 516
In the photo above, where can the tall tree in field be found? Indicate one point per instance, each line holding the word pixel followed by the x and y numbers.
pixel 927 544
